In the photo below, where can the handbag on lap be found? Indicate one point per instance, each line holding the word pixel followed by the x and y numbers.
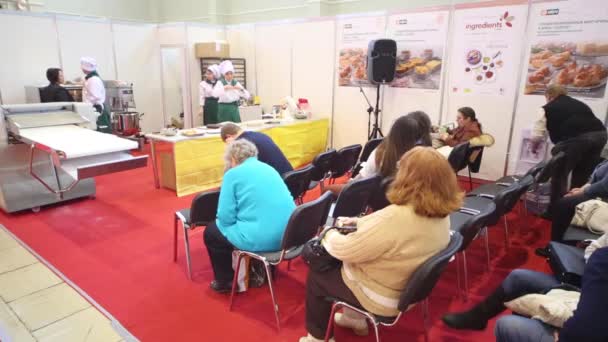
pixel 317 257
pixel 592 214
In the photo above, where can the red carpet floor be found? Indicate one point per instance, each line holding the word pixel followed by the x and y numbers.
pixel 118 248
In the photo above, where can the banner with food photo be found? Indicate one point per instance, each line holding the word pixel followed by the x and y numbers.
pixel 568 47
pixel 487 43
pixel 354 35
pixel 420 38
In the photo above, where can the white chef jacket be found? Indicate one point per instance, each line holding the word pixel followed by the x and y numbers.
pixel 93 91
pixel 204 90
pixel 230 95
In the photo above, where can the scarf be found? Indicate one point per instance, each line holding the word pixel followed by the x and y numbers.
pixel 92 74
pixel 232 83
pixel 211 83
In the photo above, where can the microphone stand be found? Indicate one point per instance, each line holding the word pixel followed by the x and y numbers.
pixel 370 110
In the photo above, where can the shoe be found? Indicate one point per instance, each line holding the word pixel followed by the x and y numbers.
pixel 468 320
pixel 358 325
pixel 310 338
pixel 477 318
pixel 220 287
pixel 542 252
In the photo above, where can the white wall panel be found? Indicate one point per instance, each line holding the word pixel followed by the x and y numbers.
pixel 138 62
pixel 242 45
pixel 80 38
pixel 273 63
pixel 29 47
pixel 313 53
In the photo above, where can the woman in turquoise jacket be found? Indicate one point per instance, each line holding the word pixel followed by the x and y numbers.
pixel 253 211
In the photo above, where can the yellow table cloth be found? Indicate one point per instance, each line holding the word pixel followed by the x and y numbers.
pixel 199 163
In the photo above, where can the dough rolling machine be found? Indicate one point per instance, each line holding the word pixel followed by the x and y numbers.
pixel 50 152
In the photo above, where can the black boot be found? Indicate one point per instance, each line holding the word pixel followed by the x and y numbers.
pixel 477 318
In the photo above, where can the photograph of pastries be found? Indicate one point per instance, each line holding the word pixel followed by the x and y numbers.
pixel 352 67
pixel 418 68
pixel 580 67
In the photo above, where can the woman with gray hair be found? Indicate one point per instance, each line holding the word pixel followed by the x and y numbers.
pixel 253 211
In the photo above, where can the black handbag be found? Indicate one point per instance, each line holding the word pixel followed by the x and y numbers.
pixel 317 257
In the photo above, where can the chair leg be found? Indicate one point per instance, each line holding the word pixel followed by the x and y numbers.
pixel 376 332
pixel 175 238
pixel 465 296
pixel 330 323
pixel 274 301
pixel 470 180
pixel 425 316
pixel 235 279
pixel 487 242
pixel 506 231
pixel 187 245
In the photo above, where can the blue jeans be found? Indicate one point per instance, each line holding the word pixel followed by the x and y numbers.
pixel 521 329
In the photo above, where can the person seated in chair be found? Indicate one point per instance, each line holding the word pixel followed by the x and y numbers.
pixel 387 246
pixel 564 208
pixel 54 92
pixel 268 151
pixel 467 129
pixel 407 131
pixel 587 324
pixel 253 210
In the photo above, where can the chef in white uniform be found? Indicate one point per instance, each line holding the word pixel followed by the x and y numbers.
pixel 206 99
pixel 229 93
pixel 94 93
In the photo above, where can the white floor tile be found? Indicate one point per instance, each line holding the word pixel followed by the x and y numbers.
pixel 27 280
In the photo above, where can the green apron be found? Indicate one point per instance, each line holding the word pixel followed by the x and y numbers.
pixel 210 111
pixel 228 111
pixel 104 121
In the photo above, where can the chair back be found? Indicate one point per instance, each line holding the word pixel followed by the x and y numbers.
pixel 378 200
pixel 506 200
pixel 203 208
pixel 369 147
pixel 322 164
pixel 459 156
pixel 345 160
pixel 297 181
pixel 475 222
pixel 536 169
pixel 474 158
pixel 305 221
pixel 355 196
pixel 424 279
pixel 546 172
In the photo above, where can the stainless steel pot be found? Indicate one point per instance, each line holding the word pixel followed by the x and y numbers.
pixel 127 123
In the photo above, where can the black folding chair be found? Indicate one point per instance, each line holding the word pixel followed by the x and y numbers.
pixel 459 156
pixel 344 161
pixel 369 147
pixel 418 289
pixel 378 201
pixel 504 201
pixel 474 162
pixel 302 226
pixel 202 211
pixel 322 167
pixel 297 182
pixel 354 198
pixel 470 224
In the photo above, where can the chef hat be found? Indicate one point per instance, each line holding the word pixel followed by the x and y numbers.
pixel 226 66
pixel 215 69
pixel 88 64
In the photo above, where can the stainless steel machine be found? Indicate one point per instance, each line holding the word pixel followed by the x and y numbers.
pixel 120 100
pixel 50 154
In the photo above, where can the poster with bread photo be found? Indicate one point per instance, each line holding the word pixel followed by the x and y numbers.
pixel 420 37
pixel 568 47
pixel 354 35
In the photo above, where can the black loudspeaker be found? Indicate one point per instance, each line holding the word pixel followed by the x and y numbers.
pixel 381 59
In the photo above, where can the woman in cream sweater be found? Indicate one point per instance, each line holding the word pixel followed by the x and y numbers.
pixel 388 245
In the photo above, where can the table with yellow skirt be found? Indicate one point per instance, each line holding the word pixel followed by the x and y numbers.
pixel 193 164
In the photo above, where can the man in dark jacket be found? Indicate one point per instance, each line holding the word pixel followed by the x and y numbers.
pixel 54 92
pixel 576 131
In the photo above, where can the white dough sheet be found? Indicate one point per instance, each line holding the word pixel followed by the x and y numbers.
pixel 77 142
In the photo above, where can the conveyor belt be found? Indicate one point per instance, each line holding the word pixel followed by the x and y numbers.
pixel 76 142
pixel 57 118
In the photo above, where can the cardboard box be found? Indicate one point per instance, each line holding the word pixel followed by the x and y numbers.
pixel 219 49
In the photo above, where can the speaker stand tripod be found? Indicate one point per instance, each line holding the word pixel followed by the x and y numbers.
pixel 373 131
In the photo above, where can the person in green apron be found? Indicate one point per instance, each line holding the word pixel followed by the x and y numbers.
pixel 94 93
pixel 206 99
pixel 229 93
